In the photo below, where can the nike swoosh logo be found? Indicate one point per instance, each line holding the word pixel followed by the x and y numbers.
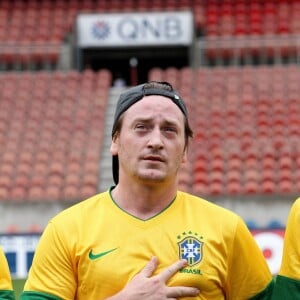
pixel 93 256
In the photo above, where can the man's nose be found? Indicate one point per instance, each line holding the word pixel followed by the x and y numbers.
pixel 155 139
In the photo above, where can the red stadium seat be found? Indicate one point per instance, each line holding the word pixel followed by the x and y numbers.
pixel 12 228
pixel 4 193
pixel 251 188
pixel 34 228
pixel 268 187
pixel 53 193
pixel 18 194
pixel 216 188
pixel 286 187
pixel 71 193
pixel 234 188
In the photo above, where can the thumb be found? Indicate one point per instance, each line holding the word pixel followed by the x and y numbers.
pixel 150 267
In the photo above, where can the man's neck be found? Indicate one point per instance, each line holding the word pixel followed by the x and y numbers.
pixel 143 201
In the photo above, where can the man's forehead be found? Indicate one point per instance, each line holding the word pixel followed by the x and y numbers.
pixel 155 101
pixel 154 107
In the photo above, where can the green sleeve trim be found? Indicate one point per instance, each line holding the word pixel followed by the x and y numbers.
pixel 266 293
pixel 7 295
pixel 28 295
pixel 286 288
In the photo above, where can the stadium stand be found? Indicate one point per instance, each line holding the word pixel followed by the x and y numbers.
pixel 276 21
pixel 32 32
pixel 242 94
pixel 40 108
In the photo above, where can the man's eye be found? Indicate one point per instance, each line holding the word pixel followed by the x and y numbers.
pixel 140 126
pixel 170 129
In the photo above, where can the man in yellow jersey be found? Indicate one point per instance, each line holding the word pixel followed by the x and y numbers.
pixel 6 288
pixel 287 285
pixel 143 239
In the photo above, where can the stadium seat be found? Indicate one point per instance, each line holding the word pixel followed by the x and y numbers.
pixel 252 225
pixel 13 229
pixel 216 188
pixel 234 188
pixel 34 228
pixel 268 187
pixel 286 186
pixel 53 193
pixel 274 224
pixel 4 193
pixel 71 193
pixel 251 188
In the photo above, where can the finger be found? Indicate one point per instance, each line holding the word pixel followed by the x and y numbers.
pixel 151 266
pixel 171 270
pixel 182 291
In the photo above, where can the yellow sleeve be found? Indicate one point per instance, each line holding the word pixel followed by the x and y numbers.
pixel 5 278
pixel 249 276
pixel 288 280
pixel 52 271
pixel 6 288
pixel 290 266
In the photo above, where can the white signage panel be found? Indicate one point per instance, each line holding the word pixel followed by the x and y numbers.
pixel 134 29
pixel 19 250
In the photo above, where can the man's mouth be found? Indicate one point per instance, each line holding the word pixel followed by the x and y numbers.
pixel 154 158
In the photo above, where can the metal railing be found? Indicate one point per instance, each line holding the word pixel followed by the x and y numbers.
pixel 243 50
pixel 30 56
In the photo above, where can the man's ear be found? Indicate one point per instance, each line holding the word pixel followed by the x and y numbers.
pixel 114 145
pixel 184 157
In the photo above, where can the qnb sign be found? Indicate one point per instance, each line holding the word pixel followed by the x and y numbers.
pixel 167 29
pixel 136 29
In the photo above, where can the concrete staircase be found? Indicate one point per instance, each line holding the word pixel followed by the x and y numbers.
pixel 106 180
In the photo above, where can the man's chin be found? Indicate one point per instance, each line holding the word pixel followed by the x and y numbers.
pixel 152 176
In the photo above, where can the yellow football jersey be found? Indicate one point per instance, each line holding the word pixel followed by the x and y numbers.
pixel 93 249
pixel 287 285
pixel 6 288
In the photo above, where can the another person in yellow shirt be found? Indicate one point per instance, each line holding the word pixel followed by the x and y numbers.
pixel 6 288
pixel 287 285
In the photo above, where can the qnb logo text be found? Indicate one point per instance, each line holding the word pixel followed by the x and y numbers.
pixel 169 28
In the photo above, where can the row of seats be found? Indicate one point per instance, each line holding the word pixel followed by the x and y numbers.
pixel 34 30
pixel 246 128
pixel 51 131
pixel 37 21
pixel 211 17
pixel 236 18
pixel 16 229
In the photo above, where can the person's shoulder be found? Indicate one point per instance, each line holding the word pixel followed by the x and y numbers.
pixel 295 210
pixel 209 206
pixel 213 215
pixel 82 208
pixel 296 204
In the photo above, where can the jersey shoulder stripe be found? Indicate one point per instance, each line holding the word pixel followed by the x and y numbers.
pixel 286 288
pixel 266 293
pixel 28 295
pixel 7 295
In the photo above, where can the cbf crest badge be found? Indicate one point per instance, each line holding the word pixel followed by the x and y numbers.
pixel 191 249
